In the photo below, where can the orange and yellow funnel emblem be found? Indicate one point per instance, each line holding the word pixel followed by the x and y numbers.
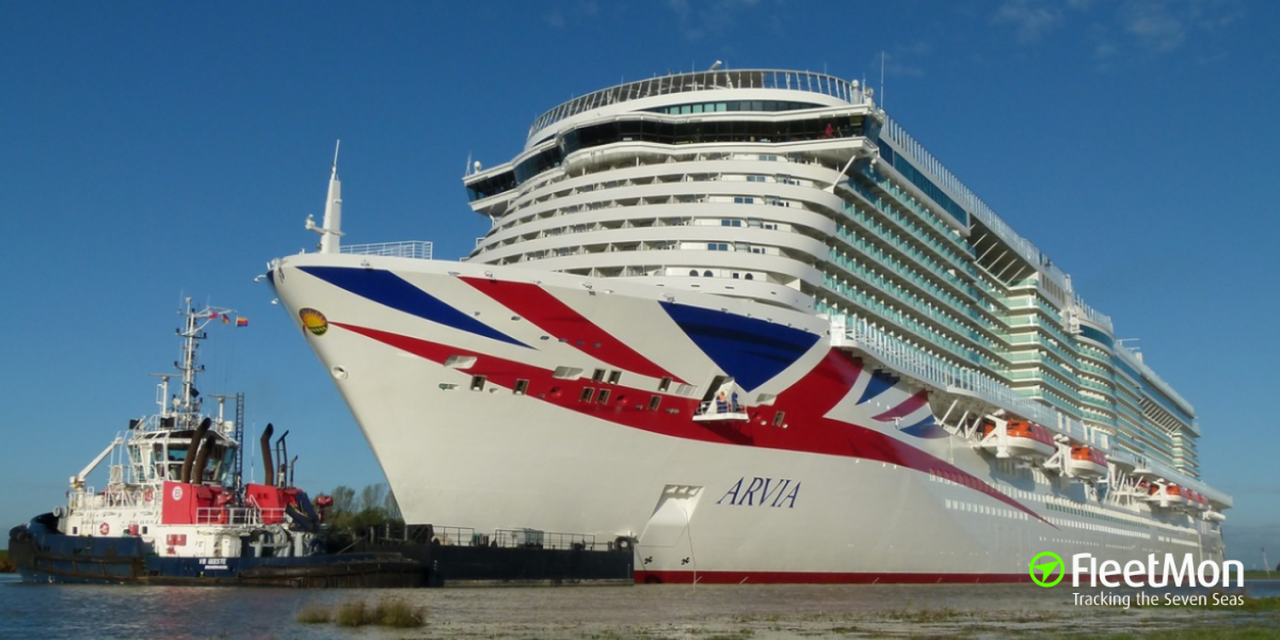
pixel 314 321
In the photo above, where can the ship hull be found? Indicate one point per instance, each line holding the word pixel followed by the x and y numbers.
pixel 49 557
pixel 480 389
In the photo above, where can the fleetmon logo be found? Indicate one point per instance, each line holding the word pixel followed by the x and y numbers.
pixel 1052 563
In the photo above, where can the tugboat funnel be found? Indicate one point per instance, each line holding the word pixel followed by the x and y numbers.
pixel 264 444
pixel 190 458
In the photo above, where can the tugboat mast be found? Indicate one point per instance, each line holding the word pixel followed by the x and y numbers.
pixel 186 405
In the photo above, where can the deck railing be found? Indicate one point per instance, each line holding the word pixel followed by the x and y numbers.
pixel 807 81
pixel 910 360
pixel 416 249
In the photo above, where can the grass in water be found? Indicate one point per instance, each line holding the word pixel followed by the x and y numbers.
pixel 389 612
pixel 315 614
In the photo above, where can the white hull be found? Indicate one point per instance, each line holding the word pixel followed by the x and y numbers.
pixel 864 487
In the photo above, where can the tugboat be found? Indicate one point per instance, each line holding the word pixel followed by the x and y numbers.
pixel 175 510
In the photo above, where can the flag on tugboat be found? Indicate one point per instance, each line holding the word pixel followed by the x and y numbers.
pixel 242 322
pixel 226 319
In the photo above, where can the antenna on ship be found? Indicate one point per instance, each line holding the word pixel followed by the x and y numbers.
pixel 882 79
pixel 331 229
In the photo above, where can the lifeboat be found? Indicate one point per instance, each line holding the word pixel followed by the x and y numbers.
pixel 1086 462
pixel 1196 501
pixel 1023 440
pixel 1169 495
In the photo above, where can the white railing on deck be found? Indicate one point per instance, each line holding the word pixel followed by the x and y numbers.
pixel 910 360
pixel 417 249
pixel 907 359
pixel 250 516
pixel 924 161
pixel 1132 360
pixel 704 81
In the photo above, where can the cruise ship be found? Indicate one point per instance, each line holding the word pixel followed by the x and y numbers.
pixel 741 323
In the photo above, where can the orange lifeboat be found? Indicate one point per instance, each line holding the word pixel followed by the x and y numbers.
pixel 1196 500
pixel 1086 462
pixel 1023 440
pixel 1169 495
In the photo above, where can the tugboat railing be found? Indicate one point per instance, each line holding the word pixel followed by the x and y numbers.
pixel 246 516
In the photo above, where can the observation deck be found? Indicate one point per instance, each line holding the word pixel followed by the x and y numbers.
pixel 806 81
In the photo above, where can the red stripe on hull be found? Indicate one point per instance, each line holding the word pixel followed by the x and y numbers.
pixel 906 408
pixel 804 577
pixel 535 304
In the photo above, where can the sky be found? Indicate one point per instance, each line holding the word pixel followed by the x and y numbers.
pixel 154 150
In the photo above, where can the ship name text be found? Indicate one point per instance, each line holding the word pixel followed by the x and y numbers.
pixel 760 492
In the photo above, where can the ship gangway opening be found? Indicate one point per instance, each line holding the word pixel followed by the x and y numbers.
pixel 721 403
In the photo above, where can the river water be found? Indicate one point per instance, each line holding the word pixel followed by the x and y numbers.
pixel 50 612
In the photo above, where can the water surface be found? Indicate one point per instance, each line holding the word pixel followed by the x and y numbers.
pixel 649 611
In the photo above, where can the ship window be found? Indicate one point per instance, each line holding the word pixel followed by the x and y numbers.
pixel 706 274
pixel 731 223
pixel 615 376
pixel 778 418
pixel 603 397
pixel 665 384
pixel 566 373
pixel 693 272
pixel 598 376
pixel 522 386
pixel 587 394
pixel 75 530
pixel 654 402
pixel 144 529
pixel 717 246
pixel 477 383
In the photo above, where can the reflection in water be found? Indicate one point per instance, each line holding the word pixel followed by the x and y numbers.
pixel 108 612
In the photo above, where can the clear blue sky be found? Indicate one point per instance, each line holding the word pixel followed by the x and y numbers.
pixel 151 149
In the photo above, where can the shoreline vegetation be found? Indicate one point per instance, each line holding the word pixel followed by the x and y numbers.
pixel 6 565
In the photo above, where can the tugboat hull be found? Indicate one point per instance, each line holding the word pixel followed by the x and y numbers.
pixel 45 556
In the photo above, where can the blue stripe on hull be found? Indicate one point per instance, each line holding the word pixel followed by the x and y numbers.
pixel 752 351
pixel 388 289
